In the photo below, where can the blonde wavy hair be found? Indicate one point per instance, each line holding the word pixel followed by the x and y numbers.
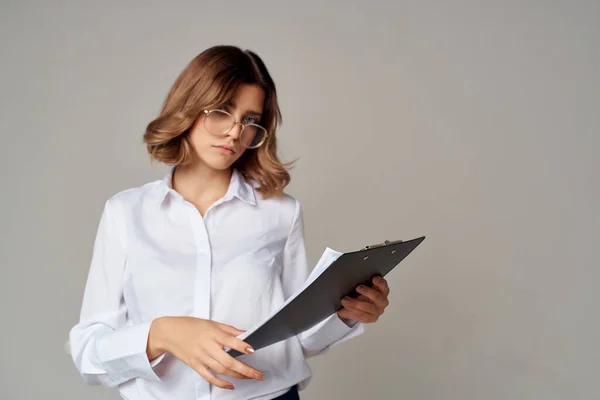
pixel 210 81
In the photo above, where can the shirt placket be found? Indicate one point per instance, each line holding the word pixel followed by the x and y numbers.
pixel 202 284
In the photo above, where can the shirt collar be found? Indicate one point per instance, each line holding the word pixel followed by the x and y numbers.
pixel 238 187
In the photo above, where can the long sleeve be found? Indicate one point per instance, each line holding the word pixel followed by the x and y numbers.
pixel 105 349
pixel 331 331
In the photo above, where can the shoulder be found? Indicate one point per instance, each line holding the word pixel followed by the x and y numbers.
pixel 127 200
pixel 286 209
pixel 284 202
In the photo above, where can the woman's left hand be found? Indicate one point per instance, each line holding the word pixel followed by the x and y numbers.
pixel 369 306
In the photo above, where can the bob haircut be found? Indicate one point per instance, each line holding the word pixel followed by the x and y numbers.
pixel 210 81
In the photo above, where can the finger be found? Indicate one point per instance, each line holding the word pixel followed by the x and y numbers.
pixel 236 365
pixel 364 306
pixel 381 285
pixel 363 298
pixel 346 314
pixel 231 330
pixel 374 295
pixel 357 315
pixel 217 367
pixel 236 344
pixel 212 379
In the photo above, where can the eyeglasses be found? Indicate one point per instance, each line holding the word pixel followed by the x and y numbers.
pixel 220 123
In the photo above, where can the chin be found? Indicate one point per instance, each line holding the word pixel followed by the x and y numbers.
pixel 219 164
pixel 214 160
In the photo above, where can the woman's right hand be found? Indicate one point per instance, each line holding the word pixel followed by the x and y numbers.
pixel 200 344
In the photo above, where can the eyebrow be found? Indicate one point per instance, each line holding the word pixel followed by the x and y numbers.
pixel 254 113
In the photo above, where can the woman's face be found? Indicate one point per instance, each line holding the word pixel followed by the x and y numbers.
pixel 216 149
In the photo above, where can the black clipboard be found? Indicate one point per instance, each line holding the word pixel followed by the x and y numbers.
pixel 322 297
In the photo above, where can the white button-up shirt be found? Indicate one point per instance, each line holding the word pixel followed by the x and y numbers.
pixel 155 255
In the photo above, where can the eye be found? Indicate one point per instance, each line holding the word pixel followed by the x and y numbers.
pixel 250 120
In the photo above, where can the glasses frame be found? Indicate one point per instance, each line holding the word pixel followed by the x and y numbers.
pixel 234 123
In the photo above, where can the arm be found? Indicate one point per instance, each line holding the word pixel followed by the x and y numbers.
pixel 105 349
pixel 331 331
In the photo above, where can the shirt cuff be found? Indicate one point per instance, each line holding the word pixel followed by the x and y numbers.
pixel 123 353
pixel 157 360
pixel 345 331
pixel 331 331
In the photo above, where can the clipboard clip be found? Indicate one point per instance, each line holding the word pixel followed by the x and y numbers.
pixel 385 243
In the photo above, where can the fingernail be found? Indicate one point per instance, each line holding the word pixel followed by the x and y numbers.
pixel 250 350
pixel 361 288
pixel 230 387
pixel 345 300
pixel 258 376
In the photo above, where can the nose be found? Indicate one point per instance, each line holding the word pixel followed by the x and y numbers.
pixel 236 131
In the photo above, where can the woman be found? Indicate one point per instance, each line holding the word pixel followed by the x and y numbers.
pixel 182 265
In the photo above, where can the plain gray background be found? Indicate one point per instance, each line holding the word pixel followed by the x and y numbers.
pixel 475 123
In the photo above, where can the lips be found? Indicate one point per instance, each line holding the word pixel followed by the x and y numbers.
pixel 226 149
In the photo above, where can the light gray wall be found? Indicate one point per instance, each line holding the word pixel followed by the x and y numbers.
pixel 474 123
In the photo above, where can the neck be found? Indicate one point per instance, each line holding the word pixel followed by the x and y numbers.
pixel 198 183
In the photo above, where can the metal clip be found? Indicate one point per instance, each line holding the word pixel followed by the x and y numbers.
pixel 385 243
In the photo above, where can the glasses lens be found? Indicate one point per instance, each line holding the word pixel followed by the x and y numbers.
pixel 253 136
pixel 218 122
